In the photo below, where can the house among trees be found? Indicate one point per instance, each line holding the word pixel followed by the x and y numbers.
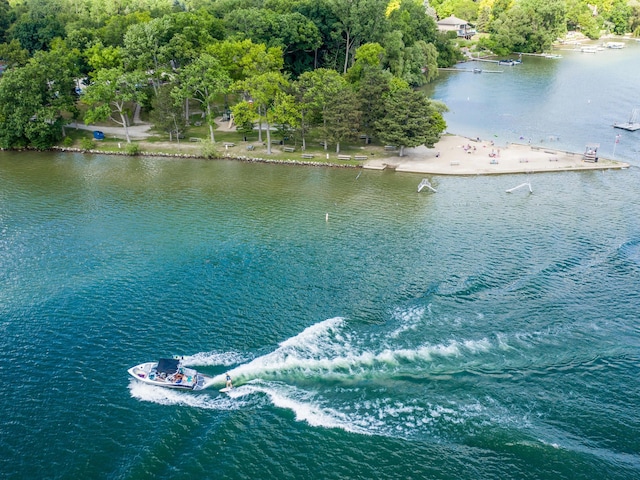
pixel 455 24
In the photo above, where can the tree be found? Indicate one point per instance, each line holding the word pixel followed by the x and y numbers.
pixel 244 116
pixel 13 55
pixel 5 18
pixel 321 88
pixel 528 26
pixel 166 113
pixel 264 90
pixel 410 120
pixel 619 16
pixel 203 80
pixel 410 18
pixel 285 115
pixel 98 56
pixel 36 28
pixel 145 48
pixel 342 117
pixel 243 59
pixel 293 33
pixel 373 87
pixel 110 95
pixel 34 99
pixel 357 21
pixel 369 55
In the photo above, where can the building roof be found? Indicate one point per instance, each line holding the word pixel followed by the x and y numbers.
pixel 451 20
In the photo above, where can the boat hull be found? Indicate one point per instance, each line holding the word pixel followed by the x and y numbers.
pixel 185 378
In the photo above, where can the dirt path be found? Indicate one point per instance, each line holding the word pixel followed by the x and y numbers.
pixel 136 132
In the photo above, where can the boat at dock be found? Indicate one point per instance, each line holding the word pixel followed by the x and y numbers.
pixel 614 45
pixel 589 49
pixel 509 62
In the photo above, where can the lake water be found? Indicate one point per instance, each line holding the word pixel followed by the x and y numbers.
pixel 465 334
pixel 561 103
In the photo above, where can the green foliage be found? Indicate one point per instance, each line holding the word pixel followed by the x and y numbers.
pixel 369 55
pixel 373 88
pixel 12 54
pixel 619 16
pixel 467 9
pixel 244 116
pixel 98 56
pixel 111 95
pixel 36 28
pixel 231 54
pixel 528 26
pixel 342 117
pixel 243 59
pixel 67 142
pixel 87 143
pixel 166 113
pixel 292 33
pixel 203 80
pixel 210 150
pixel 265 90
pixel 33 100
pixel 5 19
pixel 410 120
pixel 132 149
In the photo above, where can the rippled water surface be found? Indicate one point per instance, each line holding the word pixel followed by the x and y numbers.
pixel 373 332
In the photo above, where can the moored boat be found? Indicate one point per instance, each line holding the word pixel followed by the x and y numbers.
pixel 169 373
pixel 509 62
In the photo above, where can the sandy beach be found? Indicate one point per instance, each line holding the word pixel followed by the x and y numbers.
pixel 456 155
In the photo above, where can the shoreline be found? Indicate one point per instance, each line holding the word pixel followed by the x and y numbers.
pixel 453 155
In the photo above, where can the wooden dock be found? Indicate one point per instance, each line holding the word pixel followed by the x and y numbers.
pixel 470 70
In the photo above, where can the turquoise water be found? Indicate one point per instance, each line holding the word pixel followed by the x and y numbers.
pixel 465 334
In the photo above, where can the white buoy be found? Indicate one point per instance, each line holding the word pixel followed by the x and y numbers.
pixel 326 217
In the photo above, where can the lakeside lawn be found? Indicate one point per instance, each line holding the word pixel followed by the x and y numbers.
pixel 229 143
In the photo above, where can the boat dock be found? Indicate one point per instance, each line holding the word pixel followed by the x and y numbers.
pixel 471 70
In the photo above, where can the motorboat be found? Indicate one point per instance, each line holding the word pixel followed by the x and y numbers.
pixel 170 373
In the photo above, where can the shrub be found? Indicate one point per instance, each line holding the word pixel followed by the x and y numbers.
pixel 132 149
pixel 87 144
pixel 67 142
pixel 210 150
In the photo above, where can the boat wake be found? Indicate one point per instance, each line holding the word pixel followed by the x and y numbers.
pixel 381 379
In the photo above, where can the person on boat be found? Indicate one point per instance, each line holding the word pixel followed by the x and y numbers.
pixel 229 383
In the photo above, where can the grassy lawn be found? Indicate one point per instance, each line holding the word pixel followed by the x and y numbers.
pixel 196 140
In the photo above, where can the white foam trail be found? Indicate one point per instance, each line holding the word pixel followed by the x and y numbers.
pixel 324 349
pixel 410 320
pixel 304 407
pixel 167 396
pixel 208 359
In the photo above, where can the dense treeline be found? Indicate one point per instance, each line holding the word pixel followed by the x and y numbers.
pixel 339 68
pixel 296 64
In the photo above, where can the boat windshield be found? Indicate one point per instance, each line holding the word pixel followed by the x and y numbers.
pixel 167 365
